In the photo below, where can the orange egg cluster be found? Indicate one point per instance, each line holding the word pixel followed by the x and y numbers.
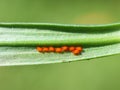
pixel 75 50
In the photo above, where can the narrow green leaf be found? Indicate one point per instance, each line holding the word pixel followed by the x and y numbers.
pixel 18 42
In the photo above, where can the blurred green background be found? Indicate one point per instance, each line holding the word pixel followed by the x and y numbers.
pixel 95 74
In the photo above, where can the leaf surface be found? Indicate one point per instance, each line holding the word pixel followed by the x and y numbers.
pixel 18 42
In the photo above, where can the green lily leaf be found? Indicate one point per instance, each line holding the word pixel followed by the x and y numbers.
pixel 18 42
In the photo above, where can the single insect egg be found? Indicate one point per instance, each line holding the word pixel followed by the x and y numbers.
pixel 71 48
pixel 76 52
pixel 45 49
pixel 79 48
pixel 39 49
pixel 65 48
pixel 51 49
pixel 58 50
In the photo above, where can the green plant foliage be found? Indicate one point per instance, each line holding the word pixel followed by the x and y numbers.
pixel 18 42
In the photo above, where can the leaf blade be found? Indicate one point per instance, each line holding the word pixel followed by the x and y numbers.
pixel 17 44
